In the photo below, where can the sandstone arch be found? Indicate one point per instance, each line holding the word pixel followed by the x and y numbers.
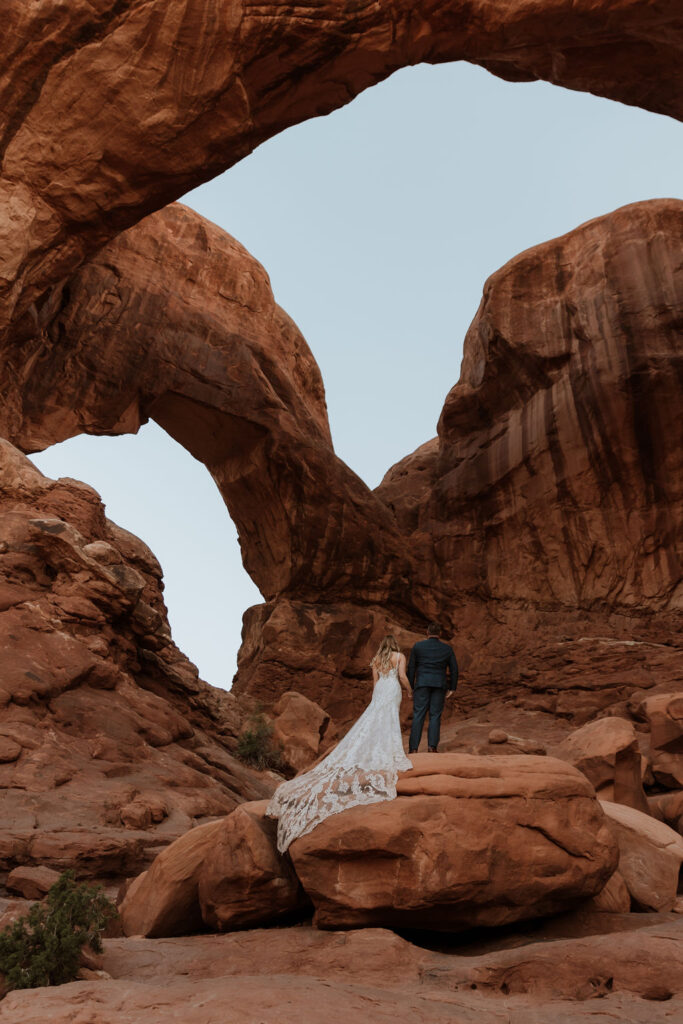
pixel 174 320
pixel 549 447
pixel 561 443
pixel 116 110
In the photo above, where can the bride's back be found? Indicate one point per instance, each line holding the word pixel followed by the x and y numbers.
pixel 385 662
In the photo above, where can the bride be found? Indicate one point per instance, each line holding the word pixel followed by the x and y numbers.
pixel 362 768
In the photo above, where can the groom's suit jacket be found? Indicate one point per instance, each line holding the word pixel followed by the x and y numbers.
pixel 432 663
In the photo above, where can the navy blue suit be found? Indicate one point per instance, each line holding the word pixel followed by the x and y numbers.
pixel 432 671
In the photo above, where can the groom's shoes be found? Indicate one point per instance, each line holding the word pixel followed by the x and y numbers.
pixel 412 751
pixel 432 750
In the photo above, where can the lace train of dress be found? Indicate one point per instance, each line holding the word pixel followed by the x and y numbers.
pixel 362 769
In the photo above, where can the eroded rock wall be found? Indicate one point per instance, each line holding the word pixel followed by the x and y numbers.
pixel 549 506
pixel 110 744
pixel 561 447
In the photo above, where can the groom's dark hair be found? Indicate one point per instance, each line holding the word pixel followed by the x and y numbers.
pixel 434 629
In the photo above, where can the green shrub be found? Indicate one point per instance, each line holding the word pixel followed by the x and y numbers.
pixel 256 746
pixel 44 948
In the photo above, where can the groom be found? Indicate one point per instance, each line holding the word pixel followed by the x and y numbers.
pixel 432 671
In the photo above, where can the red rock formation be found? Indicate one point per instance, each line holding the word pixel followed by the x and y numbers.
pixel 115 745
pixel 650 856
pixel 548 510
pixel 378 957
pixel 668 807
pixel 560 446
pixel 581 969
pixel 615 897
pixel 303 731
pixel 469 841
pixel 224 875
pixel 663 713
pixel 375 976
pixel 549 448
pixel 163 900
pixel 176 321
pixel 192 88
pixel 244 881
pixel 607 753
pixel 544 522
pixel 31 883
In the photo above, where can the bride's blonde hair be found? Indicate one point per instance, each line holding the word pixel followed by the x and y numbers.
pixel 388 646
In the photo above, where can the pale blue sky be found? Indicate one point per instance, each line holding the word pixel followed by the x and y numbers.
pixel 378 226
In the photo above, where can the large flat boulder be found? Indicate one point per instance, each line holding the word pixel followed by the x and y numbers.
pixel 469 841
pixel 585 969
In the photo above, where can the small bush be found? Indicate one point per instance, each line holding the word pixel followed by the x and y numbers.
pixel 44 948
pixel 256 746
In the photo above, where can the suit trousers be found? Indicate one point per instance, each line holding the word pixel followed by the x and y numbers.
pixel 432 699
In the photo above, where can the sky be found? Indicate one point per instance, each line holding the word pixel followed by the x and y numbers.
pixel 378 226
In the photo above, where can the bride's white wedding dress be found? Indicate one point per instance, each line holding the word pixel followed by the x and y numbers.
pixel 362 769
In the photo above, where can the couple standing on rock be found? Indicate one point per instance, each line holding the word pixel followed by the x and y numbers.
pixel 363 768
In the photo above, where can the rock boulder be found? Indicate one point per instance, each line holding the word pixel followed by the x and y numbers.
pixel 303 730
pixel 226 874
pixel 469 841
pixel 31 882
pixel 607 753
pixel 650 856
pixel 668 807
pixel 615 897
pixel 663 712
pixel 163 900
pixel 244 882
